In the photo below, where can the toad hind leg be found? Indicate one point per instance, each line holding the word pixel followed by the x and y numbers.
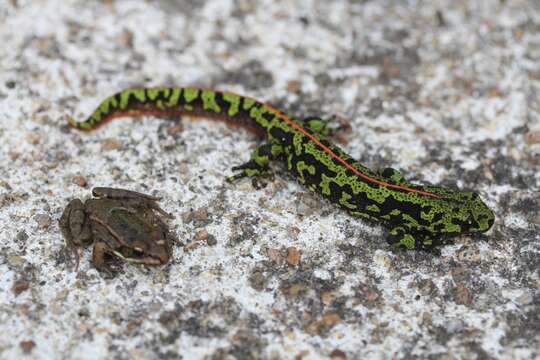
pixel 112 193
pixel 257 168
pixel 134 197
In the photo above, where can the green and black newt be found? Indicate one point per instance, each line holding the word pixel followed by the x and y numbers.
pixel 418 216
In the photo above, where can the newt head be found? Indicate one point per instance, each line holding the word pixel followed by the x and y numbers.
pixel 479 218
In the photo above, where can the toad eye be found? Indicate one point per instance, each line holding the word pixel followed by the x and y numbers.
pixel 137 251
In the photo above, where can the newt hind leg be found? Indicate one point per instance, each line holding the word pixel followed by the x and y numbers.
pixel 320 126
pixel 392 175
pixel 258 167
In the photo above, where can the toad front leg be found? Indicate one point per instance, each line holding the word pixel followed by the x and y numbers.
pixel 101 250
pixel 75 227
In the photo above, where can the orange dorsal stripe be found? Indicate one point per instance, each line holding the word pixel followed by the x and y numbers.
pixel 357 172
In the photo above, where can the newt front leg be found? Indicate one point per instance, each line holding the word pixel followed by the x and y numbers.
pixel 258 167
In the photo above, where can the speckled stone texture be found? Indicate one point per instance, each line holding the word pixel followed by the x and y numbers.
pixel 445 91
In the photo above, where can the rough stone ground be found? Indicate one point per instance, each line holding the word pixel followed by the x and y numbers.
pixel 447 91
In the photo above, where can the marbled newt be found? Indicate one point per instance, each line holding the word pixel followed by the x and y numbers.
pixel 418 216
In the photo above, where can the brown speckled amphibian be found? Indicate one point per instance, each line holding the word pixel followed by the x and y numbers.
pixel 119 222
